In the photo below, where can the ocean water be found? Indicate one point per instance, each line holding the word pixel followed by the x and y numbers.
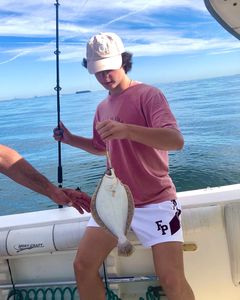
pixel 208 113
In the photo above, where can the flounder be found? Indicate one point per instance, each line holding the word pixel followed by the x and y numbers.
pixel 112 208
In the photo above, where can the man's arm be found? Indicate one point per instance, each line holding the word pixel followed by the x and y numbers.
pixel 65 136
pixel 13 165
pixel 159 138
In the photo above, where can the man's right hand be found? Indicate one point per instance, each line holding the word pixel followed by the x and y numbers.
pixel 70 197
pixel 79 200
pixel 62 135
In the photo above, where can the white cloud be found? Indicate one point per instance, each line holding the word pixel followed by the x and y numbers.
pixel 37 17
pixel 14 57
pixel 182 46
pixel 144 33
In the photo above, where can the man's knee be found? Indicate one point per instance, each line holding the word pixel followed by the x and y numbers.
pixel 81 267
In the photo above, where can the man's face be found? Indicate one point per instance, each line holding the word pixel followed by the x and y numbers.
pixel 110 79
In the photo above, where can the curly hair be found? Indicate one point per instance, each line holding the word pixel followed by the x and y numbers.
pixel 126 62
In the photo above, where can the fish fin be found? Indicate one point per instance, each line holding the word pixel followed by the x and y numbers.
pixel 125 249
pixel 130 208
pixel 94 211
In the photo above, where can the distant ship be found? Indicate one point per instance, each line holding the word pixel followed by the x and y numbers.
pixel 83 91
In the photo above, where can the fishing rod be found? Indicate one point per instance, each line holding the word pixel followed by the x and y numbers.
pixel 58 89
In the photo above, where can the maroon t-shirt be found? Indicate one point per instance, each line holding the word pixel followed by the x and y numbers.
pixel 143 168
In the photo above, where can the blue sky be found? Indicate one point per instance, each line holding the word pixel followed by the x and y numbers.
pixel 171 41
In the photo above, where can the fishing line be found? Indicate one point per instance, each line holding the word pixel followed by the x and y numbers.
pixel 58 89
pixel 16 294
pixel 10 273
pixel 105 278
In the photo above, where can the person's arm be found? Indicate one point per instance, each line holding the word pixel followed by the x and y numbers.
pixel 160 138
pixel 13 165
pixel 65 136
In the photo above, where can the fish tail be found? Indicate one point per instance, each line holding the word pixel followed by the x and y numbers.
pixel 125 248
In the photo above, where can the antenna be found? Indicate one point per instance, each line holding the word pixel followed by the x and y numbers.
pixel 58 89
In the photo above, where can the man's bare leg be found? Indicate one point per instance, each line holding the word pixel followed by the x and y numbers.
pixel 94 247
pixel 168 262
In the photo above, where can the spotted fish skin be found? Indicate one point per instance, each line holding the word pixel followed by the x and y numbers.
pixel 112 207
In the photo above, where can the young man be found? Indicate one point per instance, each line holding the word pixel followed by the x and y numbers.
pixel 13 165
pixel 135 124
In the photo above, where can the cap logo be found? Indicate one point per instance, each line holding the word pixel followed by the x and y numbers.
pixel 102 48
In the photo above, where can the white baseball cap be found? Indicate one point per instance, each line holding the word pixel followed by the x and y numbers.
pixel 104 52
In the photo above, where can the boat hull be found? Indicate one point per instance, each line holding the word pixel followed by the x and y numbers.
pixel 41 247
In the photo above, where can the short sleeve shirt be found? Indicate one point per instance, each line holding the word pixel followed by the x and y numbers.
pixel 144 169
